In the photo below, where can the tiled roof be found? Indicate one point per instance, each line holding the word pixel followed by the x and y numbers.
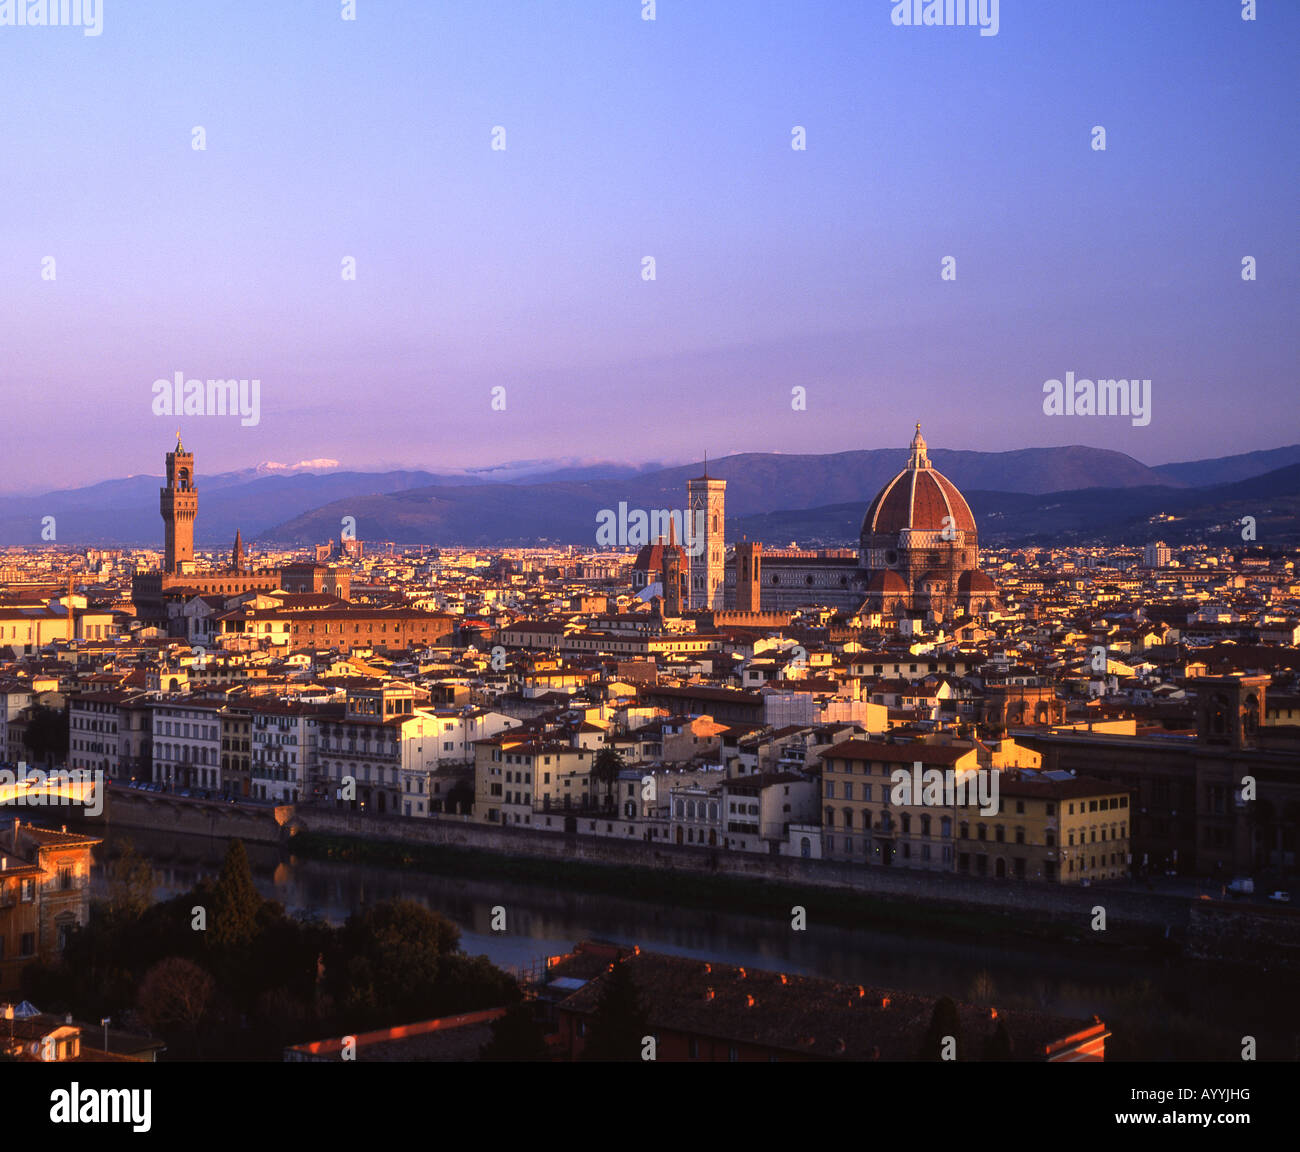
pixel 807 1016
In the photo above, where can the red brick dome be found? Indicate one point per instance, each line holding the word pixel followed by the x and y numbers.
pixel 918 498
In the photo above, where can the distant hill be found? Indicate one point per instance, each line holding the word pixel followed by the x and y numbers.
pixel 1226 469
pixel 567 512
pixel 560 504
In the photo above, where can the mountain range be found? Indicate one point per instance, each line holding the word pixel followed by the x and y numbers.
pixel 1043 495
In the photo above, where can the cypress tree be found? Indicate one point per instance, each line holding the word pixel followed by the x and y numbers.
pixel 620 1021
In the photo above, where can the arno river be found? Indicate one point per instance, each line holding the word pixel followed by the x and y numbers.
pixel 543 921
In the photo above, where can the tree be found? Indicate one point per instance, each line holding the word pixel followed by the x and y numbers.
pixel 235 902
pixel 174 995
pixel 944 1023
pixel 130 883
pixel 608 764
pixel 620 1022
pixel 516 1036
pixel 997 1045
pixel 386 962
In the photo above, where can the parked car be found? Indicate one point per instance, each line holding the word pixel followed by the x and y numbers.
pixel 1242 886
pixel 1280 897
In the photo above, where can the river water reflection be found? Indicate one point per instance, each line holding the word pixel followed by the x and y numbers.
pixel 544 921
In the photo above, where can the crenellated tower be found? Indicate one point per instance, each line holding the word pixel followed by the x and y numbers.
pixel 179 504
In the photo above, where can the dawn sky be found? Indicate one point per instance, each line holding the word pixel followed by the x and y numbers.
pixel 624 139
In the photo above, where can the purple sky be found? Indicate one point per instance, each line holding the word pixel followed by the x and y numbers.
pixel 624 139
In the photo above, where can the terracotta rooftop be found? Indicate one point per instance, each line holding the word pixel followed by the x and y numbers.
pixel 806 1016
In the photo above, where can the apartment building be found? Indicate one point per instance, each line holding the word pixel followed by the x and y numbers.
pixel 187 742
pixel 517 776
pixel 861 824
pixel 44 894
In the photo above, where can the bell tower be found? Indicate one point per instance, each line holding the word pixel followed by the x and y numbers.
pixel 179 504
pixel 705 541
